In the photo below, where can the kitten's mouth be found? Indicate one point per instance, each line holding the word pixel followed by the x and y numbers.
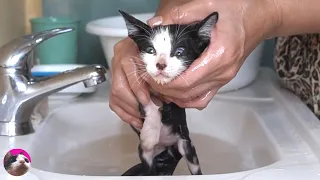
pixel 162 78
pixel 161 74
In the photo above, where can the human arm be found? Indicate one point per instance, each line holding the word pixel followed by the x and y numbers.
pixel 297 17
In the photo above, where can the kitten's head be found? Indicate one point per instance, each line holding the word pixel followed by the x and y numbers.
pixel 16 165
pixel 169 50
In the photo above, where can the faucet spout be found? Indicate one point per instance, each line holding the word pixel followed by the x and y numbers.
pixel 13 54
pixel 20 92
pixel 95 74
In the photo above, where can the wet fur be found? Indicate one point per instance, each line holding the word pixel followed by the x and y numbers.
pixel 164 137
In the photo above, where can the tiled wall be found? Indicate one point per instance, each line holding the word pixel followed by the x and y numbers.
pixel 86 10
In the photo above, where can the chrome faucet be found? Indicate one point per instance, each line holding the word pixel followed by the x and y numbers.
pixel 20 92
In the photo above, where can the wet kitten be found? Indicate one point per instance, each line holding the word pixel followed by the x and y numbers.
pixel 16 165
pixel 166 52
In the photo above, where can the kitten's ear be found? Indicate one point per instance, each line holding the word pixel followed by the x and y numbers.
pixel 205 26
pixel 7 156
pixel 134 26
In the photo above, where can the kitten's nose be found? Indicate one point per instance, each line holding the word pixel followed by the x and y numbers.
pixel 22 161
pixel 161 66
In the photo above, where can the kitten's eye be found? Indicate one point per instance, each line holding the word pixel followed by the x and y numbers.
pixel 26 160
pixel 179 51
pixel 150 50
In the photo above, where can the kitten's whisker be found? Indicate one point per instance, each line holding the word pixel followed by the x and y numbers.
pixel 136 58
pixel 181 40
pixel 140 39
pixel 141 35
pixel 133 72
pixel 140 77
pixel 139 65
pixel 144 29
pixel 186 33
pixel 178 26
pixel 179 35
pixel 179 76
pixel 136 63
pixel 139 61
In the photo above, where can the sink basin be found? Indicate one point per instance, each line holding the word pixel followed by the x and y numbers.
pixel 258 132
pixel 89 139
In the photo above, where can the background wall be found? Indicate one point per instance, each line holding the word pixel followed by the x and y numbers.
pixel 11 11
pixel 14 17
pixel 90 50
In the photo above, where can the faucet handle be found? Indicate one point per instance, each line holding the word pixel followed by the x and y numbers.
pixel 13 54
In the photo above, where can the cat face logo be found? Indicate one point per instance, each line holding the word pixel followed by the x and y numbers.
pixel 16 164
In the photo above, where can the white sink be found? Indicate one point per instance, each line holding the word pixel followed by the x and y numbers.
pixel 88 139
pixel 260 132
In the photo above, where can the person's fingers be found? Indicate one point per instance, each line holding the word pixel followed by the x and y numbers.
pixel 163 10
pixel 134 73
pixel 133 111
pixel 186 13
pixel 155 21
pixel 126 117
pixel 189 95
pixel 196 92
pixel 121 89
pixel 200 102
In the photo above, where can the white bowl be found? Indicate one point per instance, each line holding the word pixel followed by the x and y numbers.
pixel 113 29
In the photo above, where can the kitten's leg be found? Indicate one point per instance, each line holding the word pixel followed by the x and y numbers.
pixel 167 161
pixel 146 158
pixel 150 134
pixel 136 170
pixel 164 164
pixel 188 151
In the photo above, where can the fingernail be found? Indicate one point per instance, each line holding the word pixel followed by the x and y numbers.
pixel 155 21
pixel 136 124
pixel 142 98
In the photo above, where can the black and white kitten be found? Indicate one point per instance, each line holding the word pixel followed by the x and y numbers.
pixel 166 52
pixel 16 165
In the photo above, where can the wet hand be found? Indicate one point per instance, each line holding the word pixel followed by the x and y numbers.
pixel 128 85
pixel 242 25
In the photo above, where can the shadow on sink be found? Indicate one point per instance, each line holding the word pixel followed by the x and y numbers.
pixel 89 139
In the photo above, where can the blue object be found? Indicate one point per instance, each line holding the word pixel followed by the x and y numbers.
pixel 44 74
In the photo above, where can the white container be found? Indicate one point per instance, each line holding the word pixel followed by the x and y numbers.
pixel 113 29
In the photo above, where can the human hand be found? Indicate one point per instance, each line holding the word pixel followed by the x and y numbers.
pixel 242 25
pixel 128 85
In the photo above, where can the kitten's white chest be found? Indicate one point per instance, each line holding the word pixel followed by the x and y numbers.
pixel 153 131
pixel 150 132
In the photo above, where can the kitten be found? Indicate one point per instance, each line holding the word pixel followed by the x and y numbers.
pixel 166 51
pixel 16 165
